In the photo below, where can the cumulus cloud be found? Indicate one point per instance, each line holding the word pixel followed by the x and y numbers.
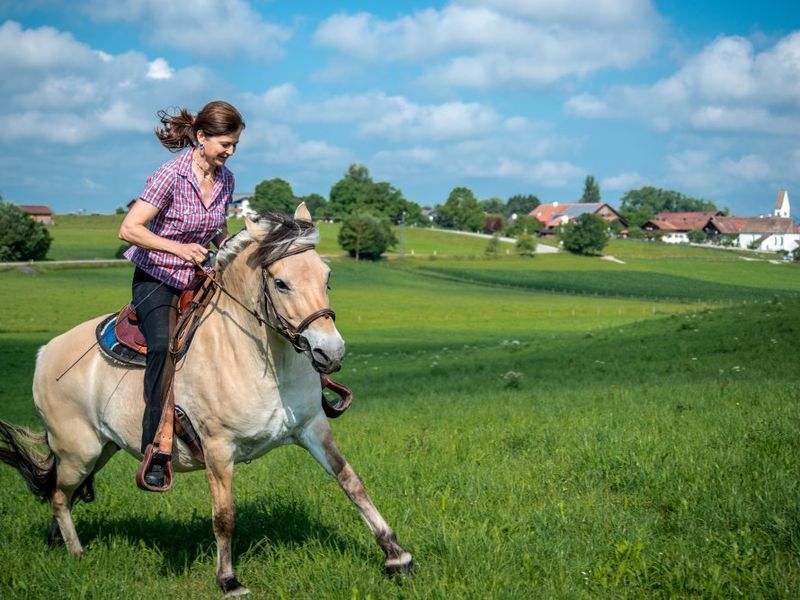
pixel 201 27
pixel 623 181
pixel 495 43
pixel 57 89
pixel 727 87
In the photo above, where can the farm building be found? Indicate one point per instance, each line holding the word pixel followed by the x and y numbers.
pixel 771 234
pixel 674 227
pixel 239 206
pixel 38 212
pixel 552 216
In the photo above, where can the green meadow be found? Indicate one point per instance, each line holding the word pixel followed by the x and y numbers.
pixel 553 427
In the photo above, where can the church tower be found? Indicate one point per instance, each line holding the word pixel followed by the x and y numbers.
pixel 782 205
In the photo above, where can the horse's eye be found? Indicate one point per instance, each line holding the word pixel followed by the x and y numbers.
pixel 281 286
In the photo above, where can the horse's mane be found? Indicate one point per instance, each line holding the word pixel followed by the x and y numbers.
pixel 281 232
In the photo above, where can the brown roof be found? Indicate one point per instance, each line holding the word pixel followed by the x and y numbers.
pixel 779 199
pixel 683 221
pixel 35 209
pixel 737 225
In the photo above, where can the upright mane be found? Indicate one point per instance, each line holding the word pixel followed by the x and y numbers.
pixel 281 231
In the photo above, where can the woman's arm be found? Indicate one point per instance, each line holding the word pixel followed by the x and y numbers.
pixel 134 230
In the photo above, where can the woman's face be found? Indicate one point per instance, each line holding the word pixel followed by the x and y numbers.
pixel 218 148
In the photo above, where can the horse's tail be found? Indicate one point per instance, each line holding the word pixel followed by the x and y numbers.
pixel 38 471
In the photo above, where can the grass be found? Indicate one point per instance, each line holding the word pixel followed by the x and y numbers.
pixel 523 443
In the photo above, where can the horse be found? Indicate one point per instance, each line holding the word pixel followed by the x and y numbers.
pixel 246 388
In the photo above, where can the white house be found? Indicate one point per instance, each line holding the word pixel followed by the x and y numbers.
pixel 771 234
pixel 239 206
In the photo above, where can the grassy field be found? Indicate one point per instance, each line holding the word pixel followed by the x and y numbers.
pixel 633 434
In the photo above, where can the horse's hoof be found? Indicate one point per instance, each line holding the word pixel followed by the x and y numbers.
pixel 402 566
pixel 233 589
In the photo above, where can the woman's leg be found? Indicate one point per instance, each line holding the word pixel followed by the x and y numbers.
pixel 156 308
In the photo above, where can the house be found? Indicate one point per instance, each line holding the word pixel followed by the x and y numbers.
pixel 239 206
pixel 38 212
pixel 771 234
pixel 553 215
pixel 674 227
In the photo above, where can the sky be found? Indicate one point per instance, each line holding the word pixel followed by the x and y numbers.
pixel 501 96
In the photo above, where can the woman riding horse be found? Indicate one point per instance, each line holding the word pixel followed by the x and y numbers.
pixel 182 209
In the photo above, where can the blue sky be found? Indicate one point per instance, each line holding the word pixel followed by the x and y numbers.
pixel 501 96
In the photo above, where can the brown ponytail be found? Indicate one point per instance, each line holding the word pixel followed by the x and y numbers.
pixel 180 130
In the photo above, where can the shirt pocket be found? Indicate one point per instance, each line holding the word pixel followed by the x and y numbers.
pixel 199 224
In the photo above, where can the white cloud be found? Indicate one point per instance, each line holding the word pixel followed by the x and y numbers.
pixel 727 87
pixel 623 181
pixel 500 43
pixel 160 69
pixel 201 27
pixel 40 49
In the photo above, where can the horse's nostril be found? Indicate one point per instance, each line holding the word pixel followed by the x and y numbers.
pixel 320 356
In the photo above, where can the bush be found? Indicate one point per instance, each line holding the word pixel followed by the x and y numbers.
pixel 588 234
pixel 365 236
pixel 493 247
pixel 526 246
pixel 697 236
pixel 21 238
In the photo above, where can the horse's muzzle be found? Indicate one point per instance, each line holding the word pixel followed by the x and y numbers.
pixel 323 362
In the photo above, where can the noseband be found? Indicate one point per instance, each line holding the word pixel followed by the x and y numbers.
pixel 277 321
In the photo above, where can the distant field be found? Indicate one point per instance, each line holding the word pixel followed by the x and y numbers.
pixel 632 434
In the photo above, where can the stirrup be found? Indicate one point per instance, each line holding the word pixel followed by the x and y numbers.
pixel 150 454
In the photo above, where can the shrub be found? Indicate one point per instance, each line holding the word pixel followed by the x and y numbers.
pixel 21 238
pixel 526 246
pixel 697 236
pixel 365 236
pixel 493 247
pixel 588 234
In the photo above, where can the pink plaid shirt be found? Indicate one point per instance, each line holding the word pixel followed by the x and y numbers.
pixel 182 217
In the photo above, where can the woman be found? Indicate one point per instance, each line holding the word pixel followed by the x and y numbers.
pixel 181 210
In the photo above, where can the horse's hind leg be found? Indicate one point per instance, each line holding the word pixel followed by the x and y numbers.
pixel 75 464
pixel 318 440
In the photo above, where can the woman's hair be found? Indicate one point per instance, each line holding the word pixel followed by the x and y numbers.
pixel 180 130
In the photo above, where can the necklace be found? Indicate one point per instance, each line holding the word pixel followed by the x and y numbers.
pixel 207 173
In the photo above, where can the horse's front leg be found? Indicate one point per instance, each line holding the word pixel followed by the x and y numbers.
pixel 318 440
pixel 219 469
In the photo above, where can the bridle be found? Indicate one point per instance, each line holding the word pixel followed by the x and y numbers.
pixel 273 319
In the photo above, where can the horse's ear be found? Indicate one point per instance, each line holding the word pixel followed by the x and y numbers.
pixel 256 230
pixel 302 213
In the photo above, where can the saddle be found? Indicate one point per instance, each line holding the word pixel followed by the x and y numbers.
pixel 120 338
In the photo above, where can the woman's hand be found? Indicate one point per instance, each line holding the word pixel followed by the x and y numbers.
pixel 193 253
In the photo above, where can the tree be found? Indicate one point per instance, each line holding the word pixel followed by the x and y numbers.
pixel 460 211
pixel 493 247
pixel 522 224
pixel 493 205
pixel 316 204
pixel 591 190
pixel 366 236
pixel 521 204
pixel 526 245
pixel 273 195
pixel 638 206
pixel 588 234
pixel 492 223
pixel 21 238
pixel 697 236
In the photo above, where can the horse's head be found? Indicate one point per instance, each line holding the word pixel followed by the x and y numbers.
pixel 295 286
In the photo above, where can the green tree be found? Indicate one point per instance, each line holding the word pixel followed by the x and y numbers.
pixel 591 190
pixel 641 205
pixel 588 234
pixel 697 236
pixel 21 238
pixel 366 236
pixel 317 205
pixel 493 247
pixel 522 224
pixel 461 211
pixel 521 204
pixel 526 245
pixel 493 205
pixel 273 195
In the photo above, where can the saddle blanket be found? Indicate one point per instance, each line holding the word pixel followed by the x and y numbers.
pixel 113 348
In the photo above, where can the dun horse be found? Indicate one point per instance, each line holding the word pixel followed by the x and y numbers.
pixel 246 389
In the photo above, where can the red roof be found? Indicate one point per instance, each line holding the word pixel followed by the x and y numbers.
pixel 39 210
pixel 737 225
pixel 683 221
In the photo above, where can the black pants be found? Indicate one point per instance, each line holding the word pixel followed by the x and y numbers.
pixel 157 313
